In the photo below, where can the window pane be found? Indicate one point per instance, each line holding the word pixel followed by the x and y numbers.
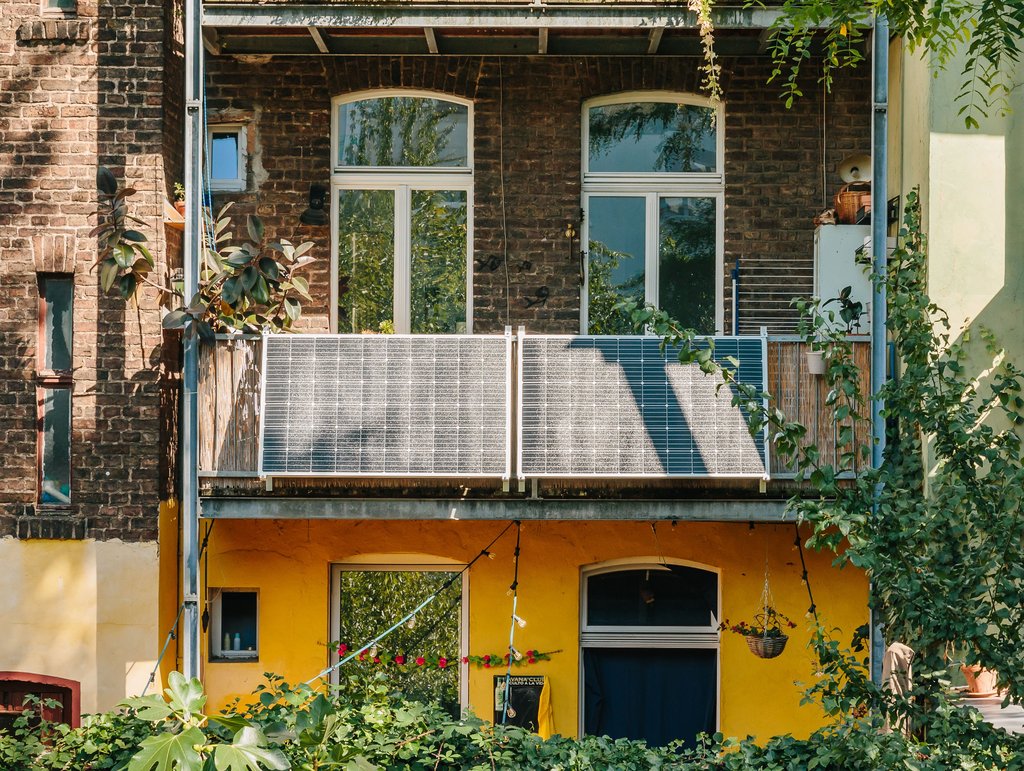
pixel 61 5
pixel 373 600
pixel 224 155
pixel 677 596
pixel 238 611
pixel 366 260
pixel 652 137
pixel 438 277
pixel 56 439
pixel 403 131
pixel 617 236
pixel 58 294
pixel 687 271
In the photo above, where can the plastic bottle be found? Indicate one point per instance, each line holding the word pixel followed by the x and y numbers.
pixel 237 644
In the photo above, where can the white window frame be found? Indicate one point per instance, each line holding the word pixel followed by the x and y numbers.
pixel 237 184
pixel 654 186
pixel 401 180
pixel 396 563
pixel 675 637
pixel 217 654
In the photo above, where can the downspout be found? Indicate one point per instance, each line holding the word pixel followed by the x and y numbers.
pixel 190 375
pixel 879 262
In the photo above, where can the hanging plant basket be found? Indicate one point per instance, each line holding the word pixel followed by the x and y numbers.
pixel 766 647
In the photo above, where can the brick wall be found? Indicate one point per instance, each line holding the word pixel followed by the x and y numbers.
pixel 773 165
pixel 74 93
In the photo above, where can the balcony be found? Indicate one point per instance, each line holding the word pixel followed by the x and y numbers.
pixel 500 407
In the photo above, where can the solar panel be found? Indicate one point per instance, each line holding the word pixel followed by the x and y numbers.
pixel 594 406
pixel 386 405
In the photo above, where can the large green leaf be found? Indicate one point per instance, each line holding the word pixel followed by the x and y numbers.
pixel 248 752
pixel 152 707
pixel 185 695
pixel 106 181
pixel 255 226
pixel 108 273
pixel 169 752
pixel 124 255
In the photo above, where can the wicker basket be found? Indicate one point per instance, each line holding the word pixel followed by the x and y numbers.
pixel 850 199
pixel 766 647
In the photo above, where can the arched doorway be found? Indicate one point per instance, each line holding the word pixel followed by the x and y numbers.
pixel 649 651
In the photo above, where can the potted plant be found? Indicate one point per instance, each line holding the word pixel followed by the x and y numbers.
pixel 981 682
pixel 850 313
pixel 179 198
pixel 765 636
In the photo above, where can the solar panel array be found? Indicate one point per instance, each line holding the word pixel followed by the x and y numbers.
pixel 619 406
pixel 388 405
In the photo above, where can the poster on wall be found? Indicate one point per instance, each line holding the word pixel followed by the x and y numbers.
pixel 524 702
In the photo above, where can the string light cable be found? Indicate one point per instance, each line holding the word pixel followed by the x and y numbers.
pixel 513 654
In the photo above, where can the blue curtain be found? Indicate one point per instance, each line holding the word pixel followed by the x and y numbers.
pixel 652 694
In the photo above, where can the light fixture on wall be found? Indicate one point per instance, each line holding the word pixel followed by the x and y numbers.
pixel 315 214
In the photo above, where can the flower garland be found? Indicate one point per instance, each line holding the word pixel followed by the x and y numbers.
pixel 518 659
pixel 437 661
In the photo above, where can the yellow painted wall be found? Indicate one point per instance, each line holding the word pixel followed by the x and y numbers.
pixel 289 563
pixel 84 610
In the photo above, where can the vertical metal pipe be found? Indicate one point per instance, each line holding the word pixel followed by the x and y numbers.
pixel 736 298
pixel 190 377
pixel 879 253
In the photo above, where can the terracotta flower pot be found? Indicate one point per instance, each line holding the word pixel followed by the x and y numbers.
pixel 180 207
pixel 981 682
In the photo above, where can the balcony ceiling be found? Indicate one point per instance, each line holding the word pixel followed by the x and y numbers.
pixel 496 29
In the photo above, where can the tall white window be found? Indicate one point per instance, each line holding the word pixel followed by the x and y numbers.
pixel 653 200
pixel 402 207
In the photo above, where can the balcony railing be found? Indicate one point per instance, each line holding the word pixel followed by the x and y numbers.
pixel 464 406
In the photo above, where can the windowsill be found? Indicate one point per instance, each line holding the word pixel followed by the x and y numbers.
pixel 235 657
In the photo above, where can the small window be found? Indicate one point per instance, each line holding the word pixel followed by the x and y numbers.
pixel 60 7
pixel 54 385
pixel 234 625
pixel 227 157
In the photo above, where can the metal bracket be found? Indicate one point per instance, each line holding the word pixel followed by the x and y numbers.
pixel 193 105
pixel 191 599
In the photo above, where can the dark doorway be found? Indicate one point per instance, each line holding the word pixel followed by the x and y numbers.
pixel 653 694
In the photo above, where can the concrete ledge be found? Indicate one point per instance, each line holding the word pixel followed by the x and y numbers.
pixel 385 509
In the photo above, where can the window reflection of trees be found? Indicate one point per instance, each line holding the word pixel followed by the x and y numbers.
pixel 604 293
pixel 688 256
pixel 687 132
pixel 370 601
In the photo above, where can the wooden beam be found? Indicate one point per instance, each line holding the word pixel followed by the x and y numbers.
pixel 654 40
pixel 321 44
pixel 428 33
pixel 542 40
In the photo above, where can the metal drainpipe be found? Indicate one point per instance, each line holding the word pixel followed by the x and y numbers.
pixel 879 227
pixel 190 375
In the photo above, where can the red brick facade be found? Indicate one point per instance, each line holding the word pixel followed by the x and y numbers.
pixel 773 164
pixel 74 93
